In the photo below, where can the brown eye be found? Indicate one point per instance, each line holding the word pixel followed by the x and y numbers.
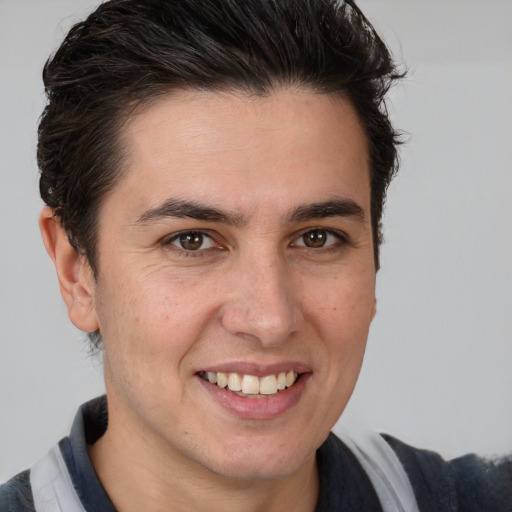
pixel 191 241
pixel 318 238
pixel 315 239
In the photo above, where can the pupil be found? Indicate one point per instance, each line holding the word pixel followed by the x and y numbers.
pixel 315 238
pixel 191 241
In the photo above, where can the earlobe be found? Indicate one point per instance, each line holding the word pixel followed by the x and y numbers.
pixel 75 276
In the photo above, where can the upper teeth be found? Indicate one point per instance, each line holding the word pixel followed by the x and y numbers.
pixel 250 384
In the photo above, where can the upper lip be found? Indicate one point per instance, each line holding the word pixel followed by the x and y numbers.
pixel 257 369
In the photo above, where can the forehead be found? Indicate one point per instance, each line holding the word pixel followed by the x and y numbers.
pixel 246 150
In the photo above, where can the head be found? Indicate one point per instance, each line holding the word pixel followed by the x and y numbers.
pixel 129 53
pixel 238 112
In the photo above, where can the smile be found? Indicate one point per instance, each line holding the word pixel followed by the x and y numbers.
pixel 251 386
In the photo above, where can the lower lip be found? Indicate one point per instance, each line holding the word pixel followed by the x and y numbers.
pixel 257 408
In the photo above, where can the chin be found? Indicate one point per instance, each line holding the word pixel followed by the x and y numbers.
pixel 267 470
pixel 260 461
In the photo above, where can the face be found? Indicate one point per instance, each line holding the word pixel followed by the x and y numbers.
pixel 236 278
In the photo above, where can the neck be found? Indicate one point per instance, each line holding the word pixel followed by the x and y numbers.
pixel 141 473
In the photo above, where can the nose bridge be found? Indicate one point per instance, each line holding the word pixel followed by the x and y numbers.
pixel 263 304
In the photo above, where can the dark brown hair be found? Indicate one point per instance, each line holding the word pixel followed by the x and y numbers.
pixel 129 52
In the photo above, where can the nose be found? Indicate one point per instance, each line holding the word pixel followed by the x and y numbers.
pixel 263 302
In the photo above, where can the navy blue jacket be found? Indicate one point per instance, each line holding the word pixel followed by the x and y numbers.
pixel 466 484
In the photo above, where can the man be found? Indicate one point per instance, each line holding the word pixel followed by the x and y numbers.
pixel 214 174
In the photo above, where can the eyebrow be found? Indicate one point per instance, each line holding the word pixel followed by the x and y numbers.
pixel 180 209
pixel 176 208
pixel 340 207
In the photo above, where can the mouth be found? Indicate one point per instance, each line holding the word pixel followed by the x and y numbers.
pixel 252 386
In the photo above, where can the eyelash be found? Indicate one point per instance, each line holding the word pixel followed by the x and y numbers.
pixel 342 240
pixel 181 251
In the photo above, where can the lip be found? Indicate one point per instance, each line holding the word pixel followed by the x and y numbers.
pixel 256 408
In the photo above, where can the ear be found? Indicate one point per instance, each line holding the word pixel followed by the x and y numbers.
pixel 76 279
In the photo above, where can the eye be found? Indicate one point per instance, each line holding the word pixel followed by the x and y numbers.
pixel 192 241
pixel 318 238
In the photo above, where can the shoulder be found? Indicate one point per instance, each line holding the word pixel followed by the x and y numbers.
pixel 16 494
pixel 484 484
pixel 343 484
pixel 468 483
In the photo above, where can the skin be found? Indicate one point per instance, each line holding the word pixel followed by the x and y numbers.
pixel 252 296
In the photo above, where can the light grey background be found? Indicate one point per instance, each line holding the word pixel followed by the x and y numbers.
pixel 438 366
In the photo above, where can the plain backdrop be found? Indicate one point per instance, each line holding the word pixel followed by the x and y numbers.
pixel 438 367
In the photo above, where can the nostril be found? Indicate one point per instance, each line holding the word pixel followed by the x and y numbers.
pixel 270 325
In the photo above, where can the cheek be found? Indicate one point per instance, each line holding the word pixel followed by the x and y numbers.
pixel 341 313
pixel 151 321
pixel 344 303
